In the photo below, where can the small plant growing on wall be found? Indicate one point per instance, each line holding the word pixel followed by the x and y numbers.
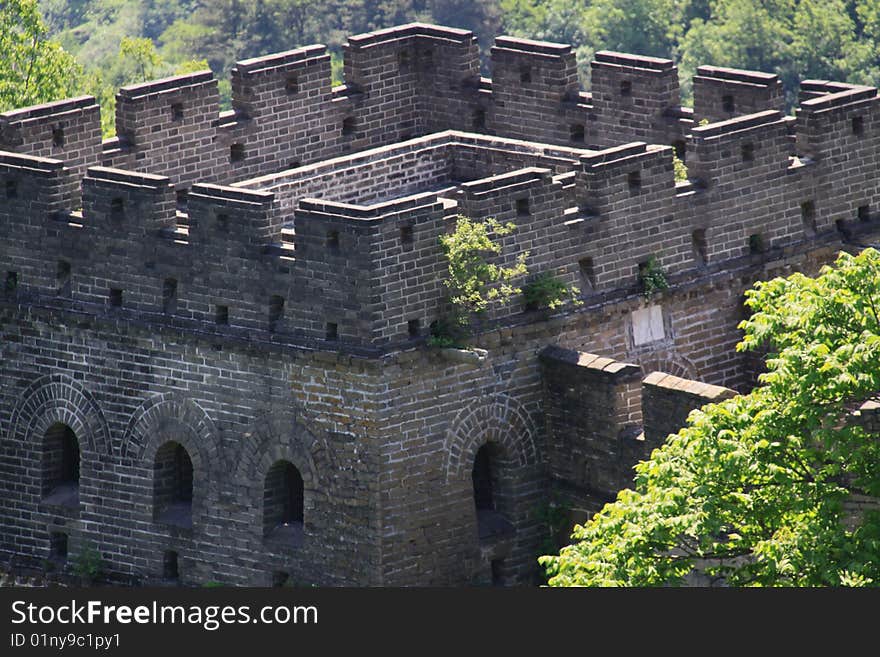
pixel 680 169
pixel 474 282
pixel 652 277
pixel 546 291
pixel 88 564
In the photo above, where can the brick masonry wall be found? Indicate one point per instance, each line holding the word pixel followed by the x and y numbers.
pixel 282 318
pixel 68 130
pixel 126 388
pixel 724 93
pixel 667 400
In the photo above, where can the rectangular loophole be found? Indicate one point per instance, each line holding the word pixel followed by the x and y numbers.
pixel 62 278
pixel 115 297
pixel 497 566
pixel 626 88
pixel 634 180
pixel 727 103
pixel 58 546
pixel 236 153
pixel 577 133
pixel 756 243
pixel 748 152
pixel 701 246
pixel 478 119
pixel 332 239
pixel 117 209
pixel 177 111
pixel 291 85
pixel 276 311
pixel 858 125
pixel 169 295
pixel 522 207
pixel 808 216
pixel 588 273
pixel 221 315
pixel 864 213
pixel 170 565
pixel 10 284
pixel 403 60
pixel 11 189
pixel 331 331
pixel 525 74
pixel 222 222
pixel 348 126
pixel 58 136
pixel 414 328
pixel 680 148
pixel 406 234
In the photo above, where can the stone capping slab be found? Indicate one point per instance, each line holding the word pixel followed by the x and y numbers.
pixel 617 370
pixel 615 153
pixel 426 144
pixel 166 84
pixel 839 98
pixel 737 124
pixel 825 86
pixel 705 391
pixel 127 177
pixel 531 46
pixel 518 176
pixel 738 75
pixel 633 61
pixel 410 30
pixel 230 194
pixel 376 211
pixel 256 65
pixel 32 162
pixel 47 109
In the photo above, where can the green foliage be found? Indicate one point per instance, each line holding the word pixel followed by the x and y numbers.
pixel 553 517
pixel 446 332
pixel 753 489
pixel 680 169
pixel 548 291
pixel 88 563
pixel 652 277
pixel 34 69
pixel 475 283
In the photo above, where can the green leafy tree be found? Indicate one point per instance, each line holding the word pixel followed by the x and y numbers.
pixel 754 490
pixel 34 68
pixel 475 282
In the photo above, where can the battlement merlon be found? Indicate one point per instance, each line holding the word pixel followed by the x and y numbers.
pixel 35 189
pixel 280 83
pixel 829 121
pixel 618 179
pixel 413 45
pixel 147 108
pixel 634 99
pixel 128 202
pixel 729 152
pixel 68 130
pixel 723 93
pixel 540 66
pixel 224 214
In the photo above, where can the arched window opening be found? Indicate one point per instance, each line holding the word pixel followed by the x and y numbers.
pixel 283 503
pixel 173 485
pixel 61 466
pixel 490 522
pixel 482 476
